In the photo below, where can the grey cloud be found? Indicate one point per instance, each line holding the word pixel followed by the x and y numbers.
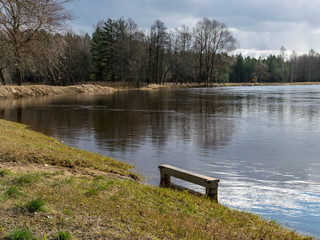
pixel 257 24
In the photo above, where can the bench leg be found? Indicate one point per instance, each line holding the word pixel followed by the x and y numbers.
pixel 165 180
pixel 212 193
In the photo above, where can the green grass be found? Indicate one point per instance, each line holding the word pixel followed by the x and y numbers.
pixel 89 203
pixel 13 192
pixel 26 179
pixel 92 192
pixel 35 205
pixel 62 236
pixel 20 234
pixel 4 172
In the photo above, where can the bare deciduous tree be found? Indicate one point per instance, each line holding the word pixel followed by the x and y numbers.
pixel 158 43
pixel 21 23
pixel 212 39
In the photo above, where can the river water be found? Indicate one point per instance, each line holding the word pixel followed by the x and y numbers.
pixel 261 142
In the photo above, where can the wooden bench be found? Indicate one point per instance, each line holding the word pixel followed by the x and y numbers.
pixel 211 184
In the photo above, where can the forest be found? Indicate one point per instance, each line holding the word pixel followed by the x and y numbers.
pixel 35 47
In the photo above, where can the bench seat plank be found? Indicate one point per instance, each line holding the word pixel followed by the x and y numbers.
pixel 211 184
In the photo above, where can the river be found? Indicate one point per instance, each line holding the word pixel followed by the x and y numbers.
pixel 262 142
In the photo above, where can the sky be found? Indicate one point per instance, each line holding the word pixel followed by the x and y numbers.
pixel 261 27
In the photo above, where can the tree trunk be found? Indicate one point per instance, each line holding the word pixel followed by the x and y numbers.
pixel 156 65
pixel 3 81
pixel 200 66
pixel 18 76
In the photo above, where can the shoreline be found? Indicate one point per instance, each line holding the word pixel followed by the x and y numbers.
pixel 16 92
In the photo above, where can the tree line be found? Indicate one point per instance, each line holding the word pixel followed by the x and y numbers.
pixel 277 68
pixel 35 47
pixel 122 52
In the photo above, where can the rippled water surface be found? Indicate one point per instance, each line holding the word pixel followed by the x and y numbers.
pixel 261 142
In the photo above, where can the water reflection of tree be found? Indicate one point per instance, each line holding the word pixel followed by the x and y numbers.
pixel 163 117
pixel 127 120
pixel 54 116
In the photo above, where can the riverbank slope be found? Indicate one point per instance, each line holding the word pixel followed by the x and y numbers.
pixel 48 190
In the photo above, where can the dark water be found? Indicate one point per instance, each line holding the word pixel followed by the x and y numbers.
pixel 261 142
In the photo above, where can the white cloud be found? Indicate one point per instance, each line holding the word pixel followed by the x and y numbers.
pixel 253 52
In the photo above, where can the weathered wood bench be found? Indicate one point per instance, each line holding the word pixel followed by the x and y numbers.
pixel 211 184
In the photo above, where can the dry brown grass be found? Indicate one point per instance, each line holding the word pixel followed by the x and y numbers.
pixel 45 90
pixel 203 85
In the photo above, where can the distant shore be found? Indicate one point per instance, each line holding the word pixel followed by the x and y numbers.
pixel 12 91
pixel 196 85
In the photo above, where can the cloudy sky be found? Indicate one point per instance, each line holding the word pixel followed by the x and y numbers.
pixel 260 26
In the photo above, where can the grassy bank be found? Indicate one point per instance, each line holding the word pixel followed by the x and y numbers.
pixel 51 191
